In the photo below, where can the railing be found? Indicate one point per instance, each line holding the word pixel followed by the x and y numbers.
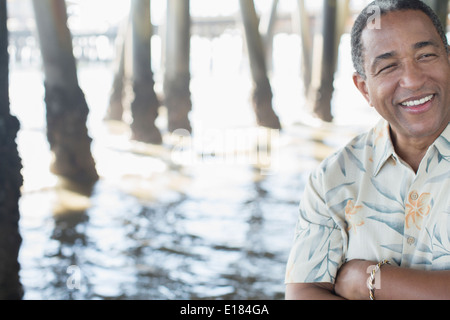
pixel 93 46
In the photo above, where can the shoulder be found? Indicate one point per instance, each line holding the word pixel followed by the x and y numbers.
pixel 355 156
pixel 443 142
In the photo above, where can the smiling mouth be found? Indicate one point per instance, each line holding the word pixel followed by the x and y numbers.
pixel 419 102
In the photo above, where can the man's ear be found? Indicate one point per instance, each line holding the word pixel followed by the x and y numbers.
pixel 448 52
pixel 361 84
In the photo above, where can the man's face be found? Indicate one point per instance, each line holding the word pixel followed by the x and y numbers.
pixel 407 75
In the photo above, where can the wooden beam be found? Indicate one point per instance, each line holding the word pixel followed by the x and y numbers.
pixel 177 65
pixel 144 107
pixel 66 106
pixel 262 94
pixel 10 179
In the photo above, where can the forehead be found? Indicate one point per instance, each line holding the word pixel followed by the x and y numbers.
pixel 399 30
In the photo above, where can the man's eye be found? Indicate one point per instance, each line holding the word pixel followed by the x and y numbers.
pixel 386 68
pixel 427 56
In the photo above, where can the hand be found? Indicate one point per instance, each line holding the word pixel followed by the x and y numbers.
pixel 351 280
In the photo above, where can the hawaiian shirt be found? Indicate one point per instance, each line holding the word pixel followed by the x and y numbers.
pixel 365 202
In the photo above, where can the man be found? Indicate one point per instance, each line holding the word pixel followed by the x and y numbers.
pixel 386 195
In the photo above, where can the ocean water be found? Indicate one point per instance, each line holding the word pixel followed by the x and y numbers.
pixel 209 216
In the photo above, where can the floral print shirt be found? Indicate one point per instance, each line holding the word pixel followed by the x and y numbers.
pixel 364 202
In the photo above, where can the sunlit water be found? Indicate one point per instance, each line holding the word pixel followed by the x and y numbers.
pixel 158 226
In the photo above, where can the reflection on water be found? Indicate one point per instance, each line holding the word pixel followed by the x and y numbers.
pixel 206 232
pixel 155 228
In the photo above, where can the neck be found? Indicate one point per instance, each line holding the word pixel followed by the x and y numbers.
pixel 411 150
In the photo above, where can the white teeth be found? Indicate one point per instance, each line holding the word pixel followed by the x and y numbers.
pixel 417 102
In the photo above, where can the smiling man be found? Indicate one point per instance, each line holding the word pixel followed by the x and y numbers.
pixel 381 205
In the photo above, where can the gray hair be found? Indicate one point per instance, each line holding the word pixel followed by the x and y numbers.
pixel 383 7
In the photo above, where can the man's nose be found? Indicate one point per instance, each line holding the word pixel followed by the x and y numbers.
pixel 412 77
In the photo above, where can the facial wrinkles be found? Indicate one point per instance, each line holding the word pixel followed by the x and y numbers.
pixel 414 87
pixel 391 45
pixel 391 51
pixel 423 81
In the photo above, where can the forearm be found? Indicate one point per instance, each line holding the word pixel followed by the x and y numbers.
pixel 404 284
pixel 310 291
pixel 395 283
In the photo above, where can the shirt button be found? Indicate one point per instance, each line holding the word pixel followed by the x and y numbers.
pixel 414 195
pixel 411 240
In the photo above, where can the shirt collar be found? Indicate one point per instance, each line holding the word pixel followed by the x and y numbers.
pixel 384 149
pixel 442 143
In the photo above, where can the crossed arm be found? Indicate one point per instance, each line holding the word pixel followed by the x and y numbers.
pixel 396 284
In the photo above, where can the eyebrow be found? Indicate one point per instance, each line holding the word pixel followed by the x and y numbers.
pixel 391 54
pixel 423 44
pixel 382 57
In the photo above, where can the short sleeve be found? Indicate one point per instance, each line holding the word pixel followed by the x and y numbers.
pixel 320 239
